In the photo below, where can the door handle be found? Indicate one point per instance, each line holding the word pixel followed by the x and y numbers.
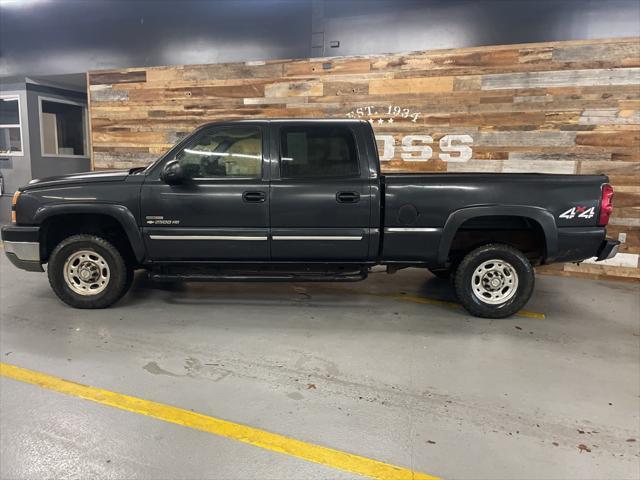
pixel 254 197
pixel 348 197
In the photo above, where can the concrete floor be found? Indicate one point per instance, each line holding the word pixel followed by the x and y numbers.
pixel 422 386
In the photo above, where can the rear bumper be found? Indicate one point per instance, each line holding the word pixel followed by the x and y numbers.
pixel 576 244
pixel 22 247
pixel 608 249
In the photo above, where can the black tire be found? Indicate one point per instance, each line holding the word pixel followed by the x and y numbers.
pixel 118 281
pixel 520 275
pixel 442 274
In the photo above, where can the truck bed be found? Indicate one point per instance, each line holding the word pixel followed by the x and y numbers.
pixel 419 208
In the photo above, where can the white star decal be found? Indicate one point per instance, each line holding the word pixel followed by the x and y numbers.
pixel 390 120
pixel 370 121
pixel 380 121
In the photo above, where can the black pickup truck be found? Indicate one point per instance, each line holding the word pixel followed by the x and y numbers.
pixel 302 200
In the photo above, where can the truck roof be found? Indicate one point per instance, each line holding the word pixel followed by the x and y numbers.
pixel 284 120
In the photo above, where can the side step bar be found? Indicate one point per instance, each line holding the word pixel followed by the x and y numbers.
pixel 256 277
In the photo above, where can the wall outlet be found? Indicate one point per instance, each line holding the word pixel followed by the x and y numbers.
pixel 622 237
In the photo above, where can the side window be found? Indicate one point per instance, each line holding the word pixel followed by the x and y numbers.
pixel 10 133
pixel 318 151
pixel 223 152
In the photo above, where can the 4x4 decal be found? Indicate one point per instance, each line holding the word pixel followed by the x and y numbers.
pixel 579 212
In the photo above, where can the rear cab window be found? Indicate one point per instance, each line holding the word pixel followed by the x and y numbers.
pixel 309 151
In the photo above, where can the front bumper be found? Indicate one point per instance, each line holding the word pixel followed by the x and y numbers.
pixel 22 247
pixel 608 249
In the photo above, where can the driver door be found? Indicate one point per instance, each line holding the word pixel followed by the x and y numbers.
pixel 221 211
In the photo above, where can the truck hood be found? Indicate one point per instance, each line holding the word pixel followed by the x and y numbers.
pixel 83 177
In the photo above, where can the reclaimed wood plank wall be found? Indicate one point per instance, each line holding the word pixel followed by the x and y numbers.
pixel 561 107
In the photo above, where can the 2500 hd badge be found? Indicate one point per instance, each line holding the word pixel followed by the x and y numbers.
pixel 159 220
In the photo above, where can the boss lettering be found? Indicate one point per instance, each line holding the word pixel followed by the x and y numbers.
pixel 417 148
pixel 460 144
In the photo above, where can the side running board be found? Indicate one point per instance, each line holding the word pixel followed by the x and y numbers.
pixel 257 276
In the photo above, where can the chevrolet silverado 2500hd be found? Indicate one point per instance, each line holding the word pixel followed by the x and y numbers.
pixel 302 200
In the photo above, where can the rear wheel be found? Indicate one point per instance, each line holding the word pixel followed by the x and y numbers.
pixel 494 281
pixel 86 271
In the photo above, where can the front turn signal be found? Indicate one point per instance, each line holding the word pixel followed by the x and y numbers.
pixel 14 201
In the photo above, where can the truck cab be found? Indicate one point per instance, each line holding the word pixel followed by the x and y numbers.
pixel 265 191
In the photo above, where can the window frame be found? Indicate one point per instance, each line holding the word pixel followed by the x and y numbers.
pixel 207 130
pixel 13 125
pixel 85 128
pixel 354 138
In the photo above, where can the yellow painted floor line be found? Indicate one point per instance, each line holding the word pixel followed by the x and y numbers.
pixel 236 431
pixel 433 301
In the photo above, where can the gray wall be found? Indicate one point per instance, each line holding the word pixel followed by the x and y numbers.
pixel 385 26
pixel 76 36
pixel 67 36
pixel 19 170
pixel 15 169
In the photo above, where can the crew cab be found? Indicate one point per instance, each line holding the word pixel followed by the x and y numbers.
pixel 302 200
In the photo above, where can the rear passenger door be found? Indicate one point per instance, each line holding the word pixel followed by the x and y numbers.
pixel 320 193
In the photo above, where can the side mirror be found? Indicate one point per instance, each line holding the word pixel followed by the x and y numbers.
pixel 172 173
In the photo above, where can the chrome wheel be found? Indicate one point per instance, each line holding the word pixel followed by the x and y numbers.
pixel 86 272
pixel 494 282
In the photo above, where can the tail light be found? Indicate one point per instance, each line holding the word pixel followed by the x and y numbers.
pixel 606 204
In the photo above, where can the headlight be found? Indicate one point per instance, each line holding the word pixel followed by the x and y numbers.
pixel 14 200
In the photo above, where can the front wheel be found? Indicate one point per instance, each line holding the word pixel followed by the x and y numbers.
pixel 86 271
pixel 494 281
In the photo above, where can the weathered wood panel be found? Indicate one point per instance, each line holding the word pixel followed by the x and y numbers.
pixel 562 78
pixel 560 107
pixel 127 76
